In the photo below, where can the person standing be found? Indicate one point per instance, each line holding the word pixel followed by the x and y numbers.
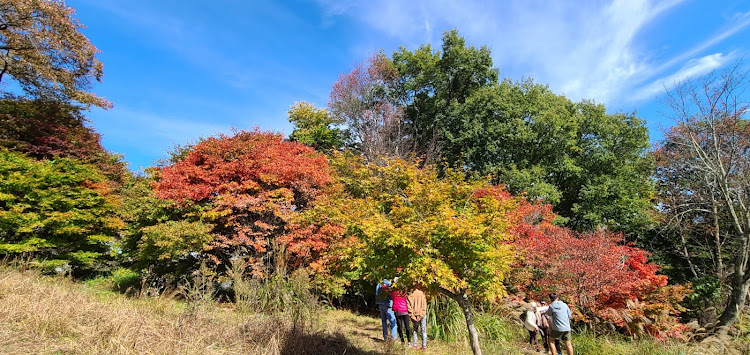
pixel 417 304
pixel 385 305
pixel 542 321
pixel 559 314
pixel 530 323
pixel 401 309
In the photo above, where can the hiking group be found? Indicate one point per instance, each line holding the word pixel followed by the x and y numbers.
pixel 551 321
pixel 401 313
pixel 407 316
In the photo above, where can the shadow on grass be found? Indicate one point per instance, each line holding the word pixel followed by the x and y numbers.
pixel 361 325
pixel 298 342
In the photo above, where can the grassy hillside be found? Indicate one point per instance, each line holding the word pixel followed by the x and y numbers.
pixel 46 315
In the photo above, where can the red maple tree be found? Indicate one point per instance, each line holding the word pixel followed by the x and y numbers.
pixel 598 274
pixel 250 183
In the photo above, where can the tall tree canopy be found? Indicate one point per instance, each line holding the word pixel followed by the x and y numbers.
pixel 42 48
pixel 592 166
pixel 431 83
pixel 704 176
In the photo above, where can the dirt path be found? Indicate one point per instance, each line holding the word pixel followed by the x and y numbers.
pixel 365 333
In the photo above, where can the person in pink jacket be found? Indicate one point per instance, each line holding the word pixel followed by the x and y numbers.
pixel 401 309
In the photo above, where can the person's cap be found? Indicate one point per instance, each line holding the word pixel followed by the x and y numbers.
pixel 395 279
pixel 386 282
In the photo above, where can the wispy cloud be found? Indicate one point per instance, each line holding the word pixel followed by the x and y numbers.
pixel 693 68
pixel 584 50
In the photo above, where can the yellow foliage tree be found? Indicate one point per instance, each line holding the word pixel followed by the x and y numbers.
pixel 448 235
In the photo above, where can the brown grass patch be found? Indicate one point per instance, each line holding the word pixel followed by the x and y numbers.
pixel 43 315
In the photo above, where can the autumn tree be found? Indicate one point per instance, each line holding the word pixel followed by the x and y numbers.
pixel 704 175
pixel 247 186
pixel 599 275
pixel 448 235
pixel 58 211
pixel 315 127
pixel 363 100
pixel 43 50
pixel 47 129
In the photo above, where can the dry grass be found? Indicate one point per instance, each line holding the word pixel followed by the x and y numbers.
pixel 48 315
pixel 43 315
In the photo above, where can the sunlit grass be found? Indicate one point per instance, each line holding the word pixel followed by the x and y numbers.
pixel 43 315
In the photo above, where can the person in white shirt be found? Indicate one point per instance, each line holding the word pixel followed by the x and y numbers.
pixel 530 323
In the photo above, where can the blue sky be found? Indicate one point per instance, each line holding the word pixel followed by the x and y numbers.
pixel 179 70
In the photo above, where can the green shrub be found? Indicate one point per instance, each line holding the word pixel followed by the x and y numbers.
pixel 124 279
pixel 57 209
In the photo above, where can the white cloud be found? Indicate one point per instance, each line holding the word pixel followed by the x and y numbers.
pixel 582 49
pixel 693 68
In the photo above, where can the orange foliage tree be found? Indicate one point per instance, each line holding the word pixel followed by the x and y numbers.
pixel 604 278
pixel 248 186
pixel 45 52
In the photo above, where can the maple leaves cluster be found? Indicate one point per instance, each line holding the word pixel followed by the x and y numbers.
pixel 250 184
pixel 603 278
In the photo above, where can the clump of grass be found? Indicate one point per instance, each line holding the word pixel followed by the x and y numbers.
pixel 124 279
pixel 445 320
pixel 281 295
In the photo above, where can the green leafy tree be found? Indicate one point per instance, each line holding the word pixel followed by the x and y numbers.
pixel 592 166
pixel 316 128
pixel 58 210
pixel 42 48
pixel 431 83
pixel 160 236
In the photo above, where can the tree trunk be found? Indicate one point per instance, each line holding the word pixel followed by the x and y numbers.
pixel 735 304
pixel 463 302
